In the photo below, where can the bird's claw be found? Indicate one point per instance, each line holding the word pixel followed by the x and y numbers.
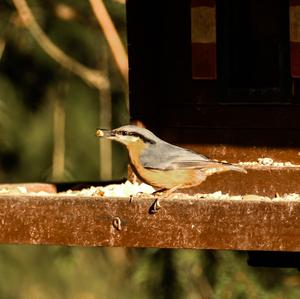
pixel 155 207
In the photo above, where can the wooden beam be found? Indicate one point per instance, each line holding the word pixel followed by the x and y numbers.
pixel 264 181
pixel 250 224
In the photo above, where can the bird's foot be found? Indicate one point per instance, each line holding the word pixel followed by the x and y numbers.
pixel 163 193
pixel 155 207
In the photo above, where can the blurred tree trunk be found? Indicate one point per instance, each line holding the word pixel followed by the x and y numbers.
pixel 58 158
pixel 105 119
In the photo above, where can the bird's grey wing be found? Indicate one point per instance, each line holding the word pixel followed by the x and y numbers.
pixel 165 156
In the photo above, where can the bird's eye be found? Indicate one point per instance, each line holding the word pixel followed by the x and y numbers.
pixel 126 133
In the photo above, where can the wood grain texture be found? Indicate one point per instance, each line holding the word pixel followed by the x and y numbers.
pixel 181 223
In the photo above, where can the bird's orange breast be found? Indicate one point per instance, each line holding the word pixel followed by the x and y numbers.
pixel 165 179
pixel 168 179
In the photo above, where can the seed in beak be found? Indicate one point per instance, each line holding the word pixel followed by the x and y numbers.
pixel 99 133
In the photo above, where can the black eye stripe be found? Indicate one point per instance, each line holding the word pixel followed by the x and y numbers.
pixel 135 134
pixel 122 132
pixel 125 133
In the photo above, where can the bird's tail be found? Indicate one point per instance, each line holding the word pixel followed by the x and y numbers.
pixel 234 167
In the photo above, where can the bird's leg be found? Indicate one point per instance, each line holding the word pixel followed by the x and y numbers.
pixel 159 191
pixel 155 207
pixel 168 192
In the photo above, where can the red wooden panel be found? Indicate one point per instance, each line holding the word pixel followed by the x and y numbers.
pixel 295 37
pixel 204 61
pixel 295 60
pixel 203 27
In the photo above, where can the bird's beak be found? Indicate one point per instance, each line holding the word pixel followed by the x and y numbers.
pixel 105 133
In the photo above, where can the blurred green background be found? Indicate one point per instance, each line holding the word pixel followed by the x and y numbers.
pixel 39 96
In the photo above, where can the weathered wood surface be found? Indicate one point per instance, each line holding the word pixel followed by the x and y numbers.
pixel 260 180
pixel 263 181
pixel 180 223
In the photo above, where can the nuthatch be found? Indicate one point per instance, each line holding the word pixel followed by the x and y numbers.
pixel 163 165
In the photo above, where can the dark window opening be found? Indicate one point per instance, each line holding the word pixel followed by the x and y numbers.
pixel 253 51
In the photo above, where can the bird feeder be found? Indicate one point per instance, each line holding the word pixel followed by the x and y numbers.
pixel 221 78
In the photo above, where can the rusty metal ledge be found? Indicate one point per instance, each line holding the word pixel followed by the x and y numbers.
pixel 181 223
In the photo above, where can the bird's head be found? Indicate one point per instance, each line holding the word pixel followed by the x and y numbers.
pixel 128 135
